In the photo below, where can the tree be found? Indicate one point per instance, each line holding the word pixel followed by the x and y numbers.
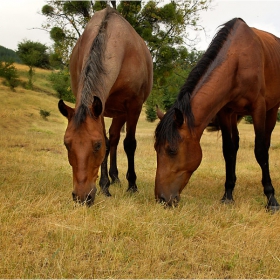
pixel 33 54
pixel 164 27
pixel 61 83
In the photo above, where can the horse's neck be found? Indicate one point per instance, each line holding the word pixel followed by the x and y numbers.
pixel 210 98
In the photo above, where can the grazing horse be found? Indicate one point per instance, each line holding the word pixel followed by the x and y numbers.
pixel 238 75
pixel 111 75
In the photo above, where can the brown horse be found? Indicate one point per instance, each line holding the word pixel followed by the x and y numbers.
pixel 238 75
pixel 111 75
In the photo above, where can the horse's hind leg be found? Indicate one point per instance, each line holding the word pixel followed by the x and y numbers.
pixel 114 136
pixel 262 144
pixel 230 138
pixel 104 181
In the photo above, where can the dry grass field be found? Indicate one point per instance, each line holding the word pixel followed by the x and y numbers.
pixel 43 234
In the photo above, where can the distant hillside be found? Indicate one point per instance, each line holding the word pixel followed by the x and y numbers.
pixel 8 55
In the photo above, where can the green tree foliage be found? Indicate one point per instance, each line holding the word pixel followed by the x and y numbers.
pixel 165 95
pixel 248 119
pixel 164 27
pixel 66 21
pixel 61 83
pixel 174 82
pixel 33 54
pixel 8 55
pixel 150 111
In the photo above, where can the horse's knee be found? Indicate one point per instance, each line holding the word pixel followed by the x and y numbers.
pixel 107 143
pixel 114 139
pixel 129 145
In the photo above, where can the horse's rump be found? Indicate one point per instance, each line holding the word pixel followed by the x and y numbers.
pixel 109 65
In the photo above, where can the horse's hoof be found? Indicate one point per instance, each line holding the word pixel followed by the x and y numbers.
pixel 116 181
pixel 272 208
pixel 106 192
pixel 227 201
pixel 132 189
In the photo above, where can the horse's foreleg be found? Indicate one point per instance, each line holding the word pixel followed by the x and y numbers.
pixel 130 144
pixel 262 144
pixel 114 136
pixel 230 138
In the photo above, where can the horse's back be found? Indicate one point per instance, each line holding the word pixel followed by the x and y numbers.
pixel 256 56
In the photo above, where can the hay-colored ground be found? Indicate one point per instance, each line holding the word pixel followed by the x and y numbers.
pixel 44 235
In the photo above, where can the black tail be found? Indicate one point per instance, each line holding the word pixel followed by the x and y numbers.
pixel 215 126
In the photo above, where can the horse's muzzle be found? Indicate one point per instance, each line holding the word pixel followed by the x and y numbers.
pixel 88 200
pixel 171 202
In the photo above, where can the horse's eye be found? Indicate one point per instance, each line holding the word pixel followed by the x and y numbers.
pixel 96 147
pixel 171 151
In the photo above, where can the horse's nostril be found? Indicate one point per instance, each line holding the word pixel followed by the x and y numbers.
pixel 161 200
pixel 89 200
pixel 175 201
pixel 172 202
pixel 74 196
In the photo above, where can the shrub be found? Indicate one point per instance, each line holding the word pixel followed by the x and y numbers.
pixel 61 83
pixel 44 114
pixel 151 114
pixel 9 72
pixel 249 119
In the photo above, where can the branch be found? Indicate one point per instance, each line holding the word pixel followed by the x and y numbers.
pixel 37 28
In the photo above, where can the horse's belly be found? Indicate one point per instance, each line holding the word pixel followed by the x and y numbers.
pixel 240 107
pixel 113 113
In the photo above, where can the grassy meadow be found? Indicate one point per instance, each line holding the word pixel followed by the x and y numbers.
pixel 43 234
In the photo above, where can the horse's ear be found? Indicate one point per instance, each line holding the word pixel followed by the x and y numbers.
pixel 65 110
pixel 96 107
pixel 160 114
pixel 178 117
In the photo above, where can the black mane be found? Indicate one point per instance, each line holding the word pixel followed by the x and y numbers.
pixel 93 73
pixel 167 130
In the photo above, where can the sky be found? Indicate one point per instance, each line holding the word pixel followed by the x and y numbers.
pixel 263 15
pixel 21 19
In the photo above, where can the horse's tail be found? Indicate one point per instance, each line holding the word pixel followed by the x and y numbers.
pixel 91 79
pixel 215 126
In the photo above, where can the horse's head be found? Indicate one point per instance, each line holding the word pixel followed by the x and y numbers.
pixel 86 148
pixel 178 156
